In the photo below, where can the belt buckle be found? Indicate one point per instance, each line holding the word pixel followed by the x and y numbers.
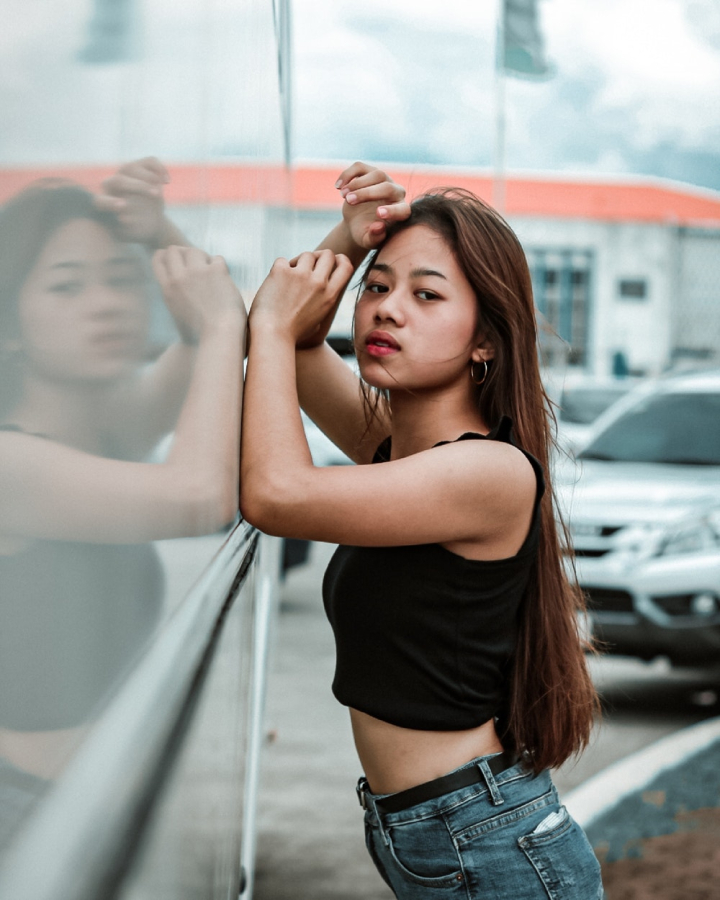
pixel 361 789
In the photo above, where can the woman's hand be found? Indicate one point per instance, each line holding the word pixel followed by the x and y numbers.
pixel 135 195
pixel 298 294
pixel 372 202
pixel 197 287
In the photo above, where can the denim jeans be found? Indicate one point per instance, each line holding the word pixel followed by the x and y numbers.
pixel 496 840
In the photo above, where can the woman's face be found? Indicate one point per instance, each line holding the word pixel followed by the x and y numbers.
pixel 416 322
pixel 83 311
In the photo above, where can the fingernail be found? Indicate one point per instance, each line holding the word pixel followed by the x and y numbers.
pixel 338 182
pixel 351 198
pixel 382 211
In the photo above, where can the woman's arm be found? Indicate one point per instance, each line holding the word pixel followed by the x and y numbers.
pixel 147 407
pixel 328 390
pixel 135 196
pixel 472 490
pixel 52 491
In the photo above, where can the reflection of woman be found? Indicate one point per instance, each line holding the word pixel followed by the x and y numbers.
pixel 457 646
pixel 79 410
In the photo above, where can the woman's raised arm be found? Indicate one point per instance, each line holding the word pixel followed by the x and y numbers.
pixel 328 390
pixel 54 491
pixel 460 492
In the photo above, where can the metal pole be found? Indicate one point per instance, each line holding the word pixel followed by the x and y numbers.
pixel 498 191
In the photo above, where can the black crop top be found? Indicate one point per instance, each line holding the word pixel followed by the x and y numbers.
pixel 424 637
pixel 72 617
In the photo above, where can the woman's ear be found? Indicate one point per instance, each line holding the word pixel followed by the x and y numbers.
pixel 483 351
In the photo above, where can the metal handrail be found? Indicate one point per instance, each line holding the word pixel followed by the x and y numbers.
pixel 77 844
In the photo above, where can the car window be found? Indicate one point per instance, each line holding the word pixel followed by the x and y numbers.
pixel 581 406
pixel 666 428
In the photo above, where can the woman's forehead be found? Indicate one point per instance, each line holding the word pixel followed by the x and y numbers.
pixel 82 241
pixel 417 246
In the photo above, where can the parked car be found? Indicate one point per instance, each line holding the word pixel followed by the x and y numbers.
pixel 643 505
pixel 583 400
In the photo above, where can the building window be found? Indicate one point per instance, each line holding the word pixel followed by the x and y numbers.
pixel 632 288
pixel 562 281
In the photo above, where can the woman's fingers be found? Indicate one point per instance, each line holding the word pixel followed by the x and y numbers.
pixel 373 188
pixel 175 264
pixel 140 178
pixel 149 167
pixel 120 186
pixel 341 273
pixel 304 262
pixel 356 170
pixel 393 212
pixel 159 265
pixel 324 264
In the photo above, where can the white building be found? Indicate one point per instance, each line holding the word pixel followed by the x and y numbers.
pixel 626 272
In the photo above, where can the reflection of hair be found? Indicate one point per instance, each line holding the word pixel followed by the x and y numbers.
pixel 27 222
pixel 552 699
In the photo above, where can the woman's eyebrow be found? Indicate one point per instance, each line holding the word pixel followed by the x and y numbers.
pixel 82 264
pixel 423 273
pixel 66 264
pixel 416 273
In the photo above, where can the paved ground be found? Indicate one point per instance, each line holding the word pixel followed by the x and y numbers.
pixel 310 842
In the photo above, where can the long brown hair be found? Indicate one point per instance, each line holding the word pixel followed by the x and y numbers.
pixel 552 701
pixel 27 222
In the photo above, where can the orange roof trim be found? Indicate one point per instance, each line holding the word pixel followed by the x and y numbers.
pixel 311 187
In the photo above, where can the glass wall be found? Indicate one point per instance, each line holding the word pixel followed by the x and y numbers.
pixel 139 139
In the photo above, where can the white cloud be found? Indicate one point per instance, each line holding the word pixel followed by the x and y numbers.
pixel 635 88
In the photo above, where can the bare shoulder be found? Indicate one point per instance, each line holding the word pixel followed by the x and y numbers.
pixel 491 467
pixel 494 489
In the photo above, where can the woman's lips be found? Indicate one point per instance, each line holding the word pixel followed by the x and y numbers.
pixel 119 341
pixel 380 343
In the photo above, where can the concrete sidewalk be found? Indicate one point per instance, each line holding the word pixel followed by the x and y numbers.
pixel 310 840
pixel 310 829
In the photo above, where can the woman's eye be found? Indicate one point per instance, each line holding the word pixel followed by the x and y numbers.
pixel 124 282
pixel 377 288
pixel 428 295
pixel 66 288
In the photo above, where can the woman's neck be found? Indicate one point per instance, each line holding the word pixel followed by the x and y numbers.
pixel 71 414
pixel 421 420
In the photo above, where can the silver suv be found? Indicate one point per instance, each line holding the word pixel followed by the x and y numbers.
pixel 643 504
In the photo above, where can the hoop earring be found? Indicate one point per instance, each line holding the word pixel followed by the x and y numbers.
pixel 472 372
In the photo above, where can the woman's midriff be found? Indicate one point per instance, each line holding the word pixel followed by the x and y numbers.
pixel 394 758
pixel 41 753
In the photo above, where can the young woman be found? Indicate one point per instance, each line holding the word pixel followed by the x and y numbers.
pixel 457 646
pixel 81 406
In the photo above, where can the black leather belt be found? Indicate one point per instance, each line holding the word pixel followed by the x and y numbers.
pixel 437 787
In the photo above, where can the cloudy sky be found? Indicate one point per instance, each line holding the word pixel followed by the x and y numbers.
pixel 636 85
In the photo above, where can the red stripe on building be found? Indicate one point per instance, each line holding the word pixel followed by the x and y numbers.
pixel 312 187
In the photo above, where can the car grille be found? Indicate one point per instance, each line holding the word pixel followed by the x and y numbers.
pixel 608 600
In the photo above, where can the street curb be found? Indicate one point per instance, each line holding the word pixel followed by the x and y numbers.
pixel 599 795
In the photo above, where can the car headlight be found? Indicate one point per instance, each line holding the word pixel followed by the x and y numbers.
pixel 693 537
pixel 638 542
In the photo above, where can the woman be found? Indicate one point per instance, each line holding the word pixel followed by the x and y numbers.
pixel 457 646
pixel 81 407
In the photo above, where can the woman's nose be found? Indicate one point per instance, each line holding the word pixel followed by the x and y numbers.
pixel 110 301
pixel 390 308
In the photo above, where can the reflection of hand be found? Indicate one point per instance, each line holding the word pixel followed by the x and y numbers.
pixel 135 195
pixel 298 294
pixel 372 201
pixel 197 288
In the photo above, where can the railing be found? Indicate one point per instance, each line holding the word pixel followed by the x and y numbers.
pixel 160 799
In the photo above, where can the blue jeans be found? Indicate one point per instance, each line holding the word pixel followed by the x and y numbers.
pixel 496 840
